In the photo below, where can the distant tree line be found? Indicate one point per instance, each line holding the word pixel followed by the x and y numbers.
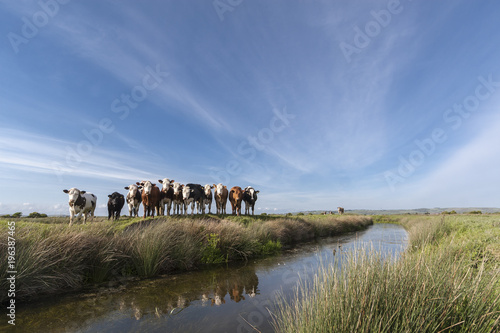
pixel 19 214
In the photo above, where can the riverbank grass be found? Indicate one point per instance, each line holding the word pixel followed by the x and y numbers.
pixel 53 257
pixel 446 281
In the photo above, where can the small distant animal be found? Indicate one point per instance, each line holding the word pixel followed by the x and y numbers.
pixel 116 202
pixel 80 202
pixel 167 195
pixel 341 210
pixel 177 199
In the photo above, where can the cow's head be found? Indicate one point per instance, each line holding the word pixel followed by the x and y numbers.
pixel 115 198
pixel 186 191
pixel 208 189
pixel 177 188
pixel 218 188
pixel 167 183
pixel 73 194
pixel 238 193
pixel 132 190
pixel 147 186
pixel 251 192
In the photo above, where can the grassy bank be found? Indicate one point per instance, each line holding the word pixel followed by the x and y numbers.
pixel 447 281
pixel 53 257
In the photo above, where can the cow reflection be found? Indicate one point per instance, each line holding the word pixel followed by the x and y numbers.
pixel 169 296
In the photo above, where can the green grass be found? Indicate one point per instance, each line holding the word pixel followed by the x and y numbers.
pixel 447 281
pixel 53 257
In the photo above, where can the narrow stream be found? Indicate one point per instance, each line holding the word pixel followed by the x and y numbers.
pixel 223 299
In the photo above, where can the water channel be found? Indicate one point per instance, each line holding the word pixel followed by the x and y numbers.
pixel 221 299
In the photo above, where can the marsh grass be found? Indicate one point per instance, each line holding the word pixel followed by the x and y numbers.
pixel 436 286
pixel 53 257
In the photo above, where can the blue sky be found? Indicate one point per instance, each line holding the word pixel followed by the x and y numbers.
pixel 317 104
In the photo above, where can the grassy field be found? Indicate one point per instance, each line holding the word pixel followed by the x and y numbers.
pixel 53 257
pixel 448 280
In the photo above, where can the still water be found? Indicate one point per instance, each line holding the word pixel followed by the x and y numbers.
pixel 223 299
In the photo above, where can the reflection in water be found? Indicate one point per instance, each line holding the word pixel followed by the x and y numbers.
pixel 223 299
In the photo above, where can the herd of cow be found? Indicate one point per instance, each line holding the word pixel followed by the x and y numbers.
pixel 171 195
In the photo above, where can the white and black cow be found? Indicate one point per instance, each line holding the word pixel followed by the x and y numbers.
pixel 250 197
pixel 80 202
pixel 207 201
pixel 193 194
pixel 179 206
pixel 134 199
pixel 167 195
pixel 116 202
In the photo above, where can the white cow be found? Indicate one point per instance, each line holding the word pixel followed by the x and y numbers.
pixel 80 202
pixel 207 201
pixel 134 199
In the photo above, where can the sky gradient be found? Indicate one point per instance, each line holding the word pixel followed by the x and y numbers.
pixel 317 104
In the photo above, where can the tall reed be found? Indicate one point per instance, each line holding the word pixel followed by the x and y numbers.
pixel 426 290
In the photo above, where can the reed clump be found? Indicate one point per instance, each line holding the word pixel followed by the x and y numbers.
pixel 436 286
pixel 53 257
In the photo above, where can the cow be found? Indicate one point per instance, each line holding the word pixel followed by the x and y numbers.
pixel 220 195
pixel 115 205
pixel 150 198
pixel 178 201
pixel 207 201
pixel 341 210
pixel 80 202
pixel 193 194
pixel 235 197
pixel 134 199
pixel 250 197
pixel 167 195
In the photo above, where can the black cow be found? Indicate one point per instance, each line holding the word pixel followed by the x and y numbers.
pixel 115 205
pixel 250 197
pixel 193 194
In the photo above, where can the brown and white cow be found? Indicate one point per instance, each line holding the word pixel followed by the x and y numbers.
pixel 134 199
pixel 167 195
pixel 80 202
pixel 250 198
pixel 150 198
pixel 178 201
pixel 220 194
pixel 341 210
pixel 207 201
pixel 235 197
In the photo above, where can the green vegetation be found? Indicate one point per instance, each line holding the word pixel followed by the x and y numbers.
pixel 53 257
pixel 448 280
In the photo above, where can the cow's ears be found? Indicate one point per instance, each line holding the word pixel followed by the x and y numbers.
pixel 140 186
pixel 65 191
pixel 153 184
pixel 225 187
pixel 172 181
pixel 215 185
pixel 212 186
pixel 138 183
pixel 109 195
pixel 126 187
pixel 257 191
pixel 83 192
pixel 161 181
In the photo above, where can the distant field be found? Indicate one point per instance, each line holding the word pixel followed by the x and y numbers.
pixel 53 257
